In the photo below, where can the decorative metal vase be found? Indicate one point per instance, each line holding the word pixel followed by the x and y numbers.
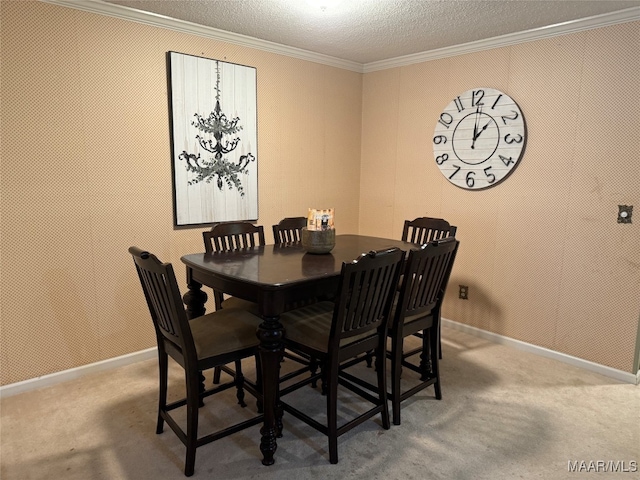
pixel 318 241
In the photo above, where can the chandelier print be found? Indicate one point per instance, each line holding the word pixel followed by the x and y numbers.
pixel 218 167
pixel 214 137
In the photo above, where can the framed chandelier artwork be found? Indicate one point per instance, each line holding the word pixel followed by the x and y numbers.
pixel 214 137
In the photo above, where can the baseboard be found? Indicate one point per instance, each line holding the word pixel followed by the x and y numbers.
pixel 58 377
pixel 545 352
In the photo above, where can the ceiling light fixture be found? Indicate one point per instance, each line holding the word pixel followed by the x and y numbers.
pixel 323 4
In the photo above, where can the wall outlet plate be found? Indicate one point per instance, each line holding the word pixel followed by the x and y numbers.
pixel 463 293
pixel 624 213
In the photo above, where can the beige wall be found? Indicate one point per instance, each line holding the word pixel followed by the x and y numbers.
pixel 86 173
pixel 544 257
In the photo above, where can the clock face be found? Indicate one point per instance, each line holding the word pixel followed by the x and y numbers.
pixel 479 138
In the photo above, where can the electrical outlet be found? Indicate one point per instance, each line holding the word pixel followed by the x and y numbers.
pixel 624 213
pixel 463 293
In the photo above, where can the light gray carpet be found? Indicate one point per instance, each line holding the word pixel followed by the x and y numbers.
pixel 505 414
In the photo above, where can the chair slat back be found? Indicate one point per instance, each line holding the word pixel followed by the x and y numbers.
pixel 425 278
pixel 289 230
pixel 227 236
pixel 163 299
pixel 426 229
pixel 366 291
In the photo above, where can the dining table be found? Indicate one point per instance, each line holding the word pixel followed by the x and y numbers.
pixel 276 277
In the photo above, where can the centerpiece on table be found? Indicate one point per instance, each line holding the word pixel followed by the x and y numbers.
pixel 319 236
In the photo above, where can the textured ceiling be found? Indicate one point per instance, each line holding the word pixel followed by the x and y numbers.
pixel 366 31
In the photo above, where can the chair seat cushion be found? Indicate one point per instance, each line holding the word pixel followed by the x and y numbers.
pixel 310 326
pixel 427 316
pixel 224 331
pixel 234 302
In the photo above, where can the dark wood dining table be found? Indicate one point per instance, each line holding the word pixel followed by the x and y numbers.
pixel 275 277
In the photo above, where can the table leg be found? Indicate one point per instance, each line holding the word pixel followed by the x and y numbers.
pixel 270 333
pixel 194 299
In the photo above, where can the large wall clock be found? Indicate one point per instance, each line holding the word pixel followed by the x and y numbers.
pixel 479 138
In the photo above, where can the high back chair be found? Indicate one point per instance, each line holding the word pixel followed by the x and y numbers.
pixel 334 333
pixel 425 229
pixel 199 344
pixel 224 237
pixel 424 283
pixel 289 230
pixel 227 236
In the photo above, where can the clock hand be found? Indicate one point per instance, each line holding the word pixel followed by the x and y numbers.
pixel 483 128
pixel 475 126
pixel 477 134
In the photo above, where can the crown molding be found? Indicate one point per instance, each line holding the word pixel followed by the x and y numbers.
pixel 573 26
pixel 152 19
pixel 155 20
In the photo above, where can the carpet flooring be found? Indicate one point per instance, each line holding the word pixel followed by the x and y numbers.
pixel 505 414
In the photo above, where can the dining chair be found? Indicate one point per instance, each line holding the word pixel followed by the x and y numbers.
pixel 224 237
pixel 422 230
pixel 417 310
pixel 224 336
pixel 289 230
pixel 336 332
pixel 425 229
pixel 227 236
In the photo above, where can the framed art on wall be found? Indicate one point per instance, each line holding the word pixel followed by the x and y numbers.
pixel 214 136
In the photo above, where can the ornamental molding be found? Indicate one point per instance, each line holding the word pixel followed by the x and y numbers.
pixel 152 19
